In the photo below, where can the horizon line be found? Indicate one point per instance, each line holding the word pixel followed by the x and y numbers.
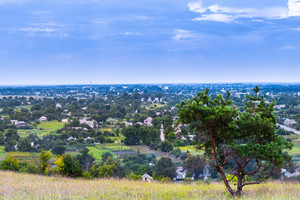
pixel 179 83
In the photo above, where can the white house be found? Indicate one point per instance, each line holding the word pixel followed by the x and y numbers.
pixel 21 123
pixel 43 119
pixel 65 120
pixel 127 124
pixel 180 173
pixel 140 123
pixel 147 177
pixel 148 121
pixel 71 139
pixel 89 123
pixel 88 138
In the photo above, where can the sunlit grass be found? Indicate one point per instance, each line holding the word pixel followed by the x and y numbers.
pixel 51 125
pixel 24 156
pixel 24 186
pixel 44 128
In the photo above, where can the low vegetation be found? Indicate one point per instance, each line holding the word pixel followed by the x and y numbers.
pixel 24 186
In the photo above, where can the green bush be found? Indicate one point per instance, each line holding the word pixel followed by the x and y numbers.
pixel 29 168
pixel 133 176
pixel 86 175
pixel 10 163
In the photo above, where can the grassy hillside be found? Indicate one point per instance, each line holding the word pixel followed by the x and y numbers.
pixel 24 186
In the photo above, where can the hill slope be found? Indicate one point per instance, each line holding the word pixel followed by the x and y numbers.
pixel 24 186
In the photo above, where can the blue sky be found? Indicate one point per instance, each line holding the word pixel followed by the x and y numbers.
pixel 142 41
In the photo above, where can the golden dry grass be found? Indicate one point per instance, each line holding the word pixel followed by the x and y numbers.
pixel 24 186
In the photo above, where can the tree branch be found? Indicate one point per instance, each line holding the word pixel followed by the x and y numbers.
pixel 258 182
pixel 253 172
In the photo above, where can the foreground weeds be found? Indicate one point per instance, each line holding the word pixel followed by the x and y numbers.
pixel 24 186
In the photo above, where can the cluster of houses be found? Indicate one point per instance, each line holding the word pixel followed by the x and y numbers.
pixel 91 123
pixel 181 175
pixel 75 139
pixel 147 122
pixel 289 122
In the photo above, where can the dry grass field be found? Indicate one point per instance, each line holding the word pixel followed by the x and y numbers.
pixel 24 186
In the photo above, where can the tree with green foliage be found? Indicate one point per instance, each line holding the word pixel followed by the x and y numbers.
pixel 85 159
pixel 24 145
pixel 105 156
pixel 225 133
pixel 71 167
pixel 11 134
pixel 194 164
pixel 165 167
pixel 1 138
pixel 58 150
pixel 166 146
pixel 10 163
pixel 44 159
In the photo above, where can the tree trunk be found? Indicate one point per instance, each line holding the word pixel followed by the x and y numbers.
pixel 239 190
pixel 226 181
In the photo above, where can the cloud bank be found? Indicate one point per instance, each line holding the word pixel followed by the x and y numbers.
pixel 228 14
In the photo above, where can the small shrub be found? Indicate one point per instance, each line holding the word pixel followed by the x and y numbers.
pixel 29 168
pixel 10 163
pixel 87 175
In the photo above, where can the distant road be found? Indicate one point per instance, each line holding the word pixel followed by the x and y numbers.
pixel 289 129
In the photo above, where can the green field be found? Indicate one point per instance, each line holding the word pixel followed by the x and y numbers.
pixel 24 156
pixel 16 186
pixel 295 152
pixel 51 125
pixel 155 105
pixel 145 150
pixel 97 153
pixel 44 128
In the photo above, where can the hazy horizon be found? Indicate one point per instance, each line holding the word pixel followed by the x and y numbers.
pixel 96 84
pixel 144 42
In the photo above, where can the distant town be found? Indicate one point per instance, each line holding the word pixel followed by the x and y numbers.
pixel 134 125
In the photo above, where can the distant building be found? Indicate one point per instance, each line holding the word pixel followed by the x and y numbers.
pixel 71 139
pixel 43 119
pixel 21 123
pixel 140 123
pixel 84 108
pixel 18 123
pixel 180 173
pixel 147 178
pixel 89 123
pixel 279 106
pixel 289 122
pixel 148 121
pixel 14 122
pixel 127 124
pixel 88 139
pixel 58 105
pixel 65 120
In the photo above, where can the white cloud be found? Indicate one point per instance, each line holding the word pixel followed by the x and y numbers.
pixel 294 8
pixel 37 30
pixel 183 34
pixel 290 47
pixel 228 14
pixel 130 33
pixel 196 7
pixel 216 17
